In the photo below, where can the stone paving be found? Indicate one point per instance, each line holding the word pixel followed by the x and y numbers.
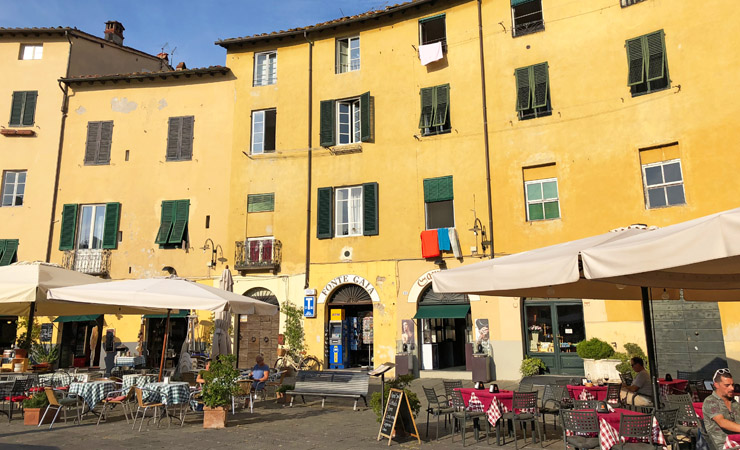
pixel 271 426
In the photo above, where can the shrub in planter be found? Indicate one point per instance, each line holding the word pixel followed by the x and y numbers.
pixel 531 367
pixel 33 409
pixel 220 385
pixel 281 392
pixel 631 350
pixel 594 348
pixel 399 382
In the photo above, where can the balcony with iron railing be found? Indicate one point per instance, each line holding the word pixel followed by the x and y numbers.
pixel 89 261
pixel 258 254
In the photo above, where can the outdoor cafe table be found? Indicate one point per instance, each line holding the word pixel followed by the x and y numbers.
pixel 668 387
pixel 494 404
pixel 609 429
pixel 172 393
pixel 591 392
pixel 92 392
pixel 129 361
pixel 137 380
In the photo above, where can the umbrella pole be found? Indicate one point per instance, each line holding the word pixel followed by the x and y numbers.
pixel 647 320
pixel 29 330
pixel 164 344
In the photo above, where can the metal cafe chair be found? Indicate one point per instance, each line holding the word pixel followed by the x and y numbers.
pixel 450 386
pixel 580 429
pixel 60 403
pixel 613 394
pixel 461 413
pixel 667 420
pixel 552 403
pixel 437 405
pixel 141 404
pixel 636 426
pixel 586 404
pixel 524 409
pixel 17 394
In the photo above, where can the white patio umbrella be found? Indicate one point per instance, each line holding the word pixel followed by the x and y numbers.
pixel 221 342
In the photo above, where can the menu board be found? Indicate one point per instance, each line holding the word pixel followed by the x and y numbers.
pixel 397 408
pixel 47 329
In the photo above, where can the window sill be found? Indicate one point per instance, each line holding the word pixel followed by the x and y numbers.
pixel 346 149
pixel 22 133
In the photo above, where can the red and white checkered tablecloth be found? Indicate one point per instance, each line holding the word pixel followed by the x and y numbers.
pixel 474 404
pixel 585 395
pixel 609 436
pixel 729 443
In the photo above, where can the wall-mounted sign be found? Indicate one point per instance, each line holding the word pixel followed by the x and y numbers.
pixel 47 329
pixel 309 306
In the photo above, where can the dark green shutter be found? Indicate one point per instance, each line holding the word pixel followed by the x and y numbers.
pixel 655 55
pixel 427 107
pixel 324 228
pixel 260 202
pixel 93 142
pixel 168 216
pixel 69 227
pixel 16 110
pixel 370 209
pixel 328 113
pixel 2 246
pixel 539 85
pixel 636 61
pixel 106 139
pixel 110 232
pixel 365 117
pixel 173 137
pixel 186 138
pixel 519 2
pixel 11 246
pixel 181 221
pixel 29 108
pixel 438 189
pixel 523 92
pixel 442 104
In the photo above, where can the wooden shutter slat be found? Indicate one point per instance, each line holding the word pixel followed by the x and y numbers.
pixel 523 92
pixel 168 215
pixel 442 104
pixel 636 62
pixel 106 139
pixel 324 225
pixel 3 242
pixel 427 107
pixel 29 108
pixel 11 246
pixel 173 138
pixel 370 209
pixel 16 110
pixel 91 146
pixel 186 138
pixel 655 55
pixel 327 125
pixel 438 189
pixel 365 117
pixel 110 231
pixel 260 202
pixel 69 227
pixel 181 221
pixel 540 79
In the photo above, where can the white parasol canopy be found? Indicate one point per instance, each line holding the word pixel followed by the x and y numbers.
pixel 221 342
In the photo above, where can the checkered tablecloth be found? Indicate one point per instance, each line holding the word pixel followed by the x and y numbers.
pixel 92 392
pixel 609 436
pixel 137 380
pixel 129 361
pixel 729 443
pixel 494 412
pixel 172 393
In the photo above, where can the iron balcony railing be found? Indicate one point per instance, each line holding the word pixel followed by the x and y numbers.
pixel 258 254
pixel 89 261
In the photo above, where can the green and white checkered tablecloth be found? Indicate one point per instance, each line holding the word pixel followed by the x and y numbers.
pixel 137 380
pixel 92 392
pixel 172 393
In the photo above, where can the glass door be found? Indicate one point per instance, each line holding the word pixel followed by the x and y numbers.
pixel 551 331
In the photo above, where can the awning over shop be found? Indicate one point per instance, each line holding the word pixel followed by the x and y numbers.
pixel 88 318
pixel 180 313
pixel 442 312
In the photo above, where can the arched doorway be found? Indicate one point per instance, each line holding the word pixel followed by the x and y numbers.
pixel 445 327
pixel 357 305
pixel 258 334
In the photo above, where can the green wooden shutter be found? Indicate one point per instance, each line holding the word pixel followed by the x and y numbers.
pixel 370 209
pixel 260 202
pixel 69 227
pixel 540 80
pixel 93 142
pixel 365 117
pixel 328 112
pixel 427 107
pixel 442 104
pixel 438 189
pixel 186 138
pixel 16 110
pixel 324 225
pixel 29 108
pixel 519 2
pixel 636 61
pixel 11 246
pixel 3 242
pixel 654 50
pixel 168 216
pixel 110 232
pixel 173 138
pixel 523 92
pixel 181 221
pixel 106 139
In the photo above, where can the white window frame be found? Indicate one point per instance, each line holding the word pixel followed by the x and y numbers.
pixel 14 185
pixel 353 118
pixel 354 215
pixel 664 185
pixel 258 137
pixel 265 71
pixel 543 200
pixel 31 51
pixel 260 239
pixel 95 209
pixel 352 64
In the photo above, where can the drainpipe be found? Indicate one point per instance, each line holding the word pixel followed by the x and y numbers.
pixel 485 124
pixel 310 155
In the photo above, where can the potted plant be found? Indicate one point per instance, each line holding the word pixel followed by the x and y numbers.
pixel 33 409
pixel 531 367
pixel 282 395
pixel 400 382
pixel 44 355
pixel 220 385
pixel 597 359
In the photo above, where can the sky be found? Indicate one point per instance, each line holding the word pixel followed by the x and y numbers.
pixel 186 29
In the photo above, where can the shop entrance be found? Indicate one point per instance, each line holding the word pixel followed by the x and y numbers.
pixel 155 327
pixel 552 330
pixel 445 328
pixel 358 313
pixel 8 330
pixel 80 345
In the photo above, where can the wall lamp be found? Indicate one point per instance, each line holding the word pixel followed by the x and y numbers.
pixel 478 228
pixel 214 252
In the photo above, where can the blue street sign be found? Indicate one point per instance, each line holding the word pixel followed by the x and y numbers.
pixel 309 306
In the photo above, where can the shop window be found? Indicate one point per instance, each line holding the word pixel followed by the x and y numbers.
pixel 265 68
pixel 526 17
pixel 180 138
pixel 348 55
pixel 438 203
pixel 432 30
pixel 647 64
pixel 533 91
pixel 14 187
pixel 435 107
pixel 263 131
pixel 347 211
pixel 174 224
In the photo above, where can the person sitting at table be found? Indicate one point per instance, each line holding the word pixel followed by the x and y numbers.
pixel 260 373
pixel 199 379
pixel 722 409
pixel 640 392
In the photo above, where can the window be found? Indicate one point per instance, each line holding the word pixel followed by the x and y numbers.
pixel 263 131
pixel 8 249
pixel 347 211
pixel 89 226
pixel 180 138
pixel 542 199
pixel 438 202
pixel 260 250
pixel 435 106
pixel 98 146
pixel 261 202
pixel 533 91
pixel 31 51
pixel 265 68
pixel 348 55
pixel 346 121
pixel 14 186
pixel 23 108
pixel 648 66
pixel 663 184
pixel 174 224
pixel 431 30
pixel 526 17
pixel 626 3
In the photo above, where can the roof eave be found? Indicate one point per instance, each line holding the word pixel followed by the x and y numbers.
pixel 148 76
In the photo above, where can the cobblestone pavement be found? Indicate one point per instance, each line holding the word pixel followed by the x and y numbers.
pixel 271 426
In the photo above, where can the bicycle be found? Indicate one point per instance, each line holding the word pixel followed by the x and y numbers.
pixel 306 362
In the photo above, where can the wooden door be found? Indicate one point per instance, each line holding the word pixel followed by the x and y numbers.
pixel 257 334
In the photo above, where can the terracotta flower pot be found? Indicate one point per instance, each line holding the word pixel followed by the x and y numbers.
pixel 214 417
pixel 32 416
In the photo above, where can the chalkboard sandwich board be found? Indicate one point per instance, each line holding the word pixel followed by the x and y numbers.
pixel 397 408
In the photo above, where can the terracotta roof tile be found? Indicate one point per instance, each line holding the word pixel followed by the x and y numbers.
pixel 212 70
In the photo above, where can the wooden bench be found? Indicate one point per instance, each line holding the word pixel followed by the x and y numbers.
pixel 331 384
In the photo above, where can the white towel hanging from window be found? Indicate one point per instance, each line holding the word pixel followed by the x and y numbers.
pixel 430 52
pixel 455 243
